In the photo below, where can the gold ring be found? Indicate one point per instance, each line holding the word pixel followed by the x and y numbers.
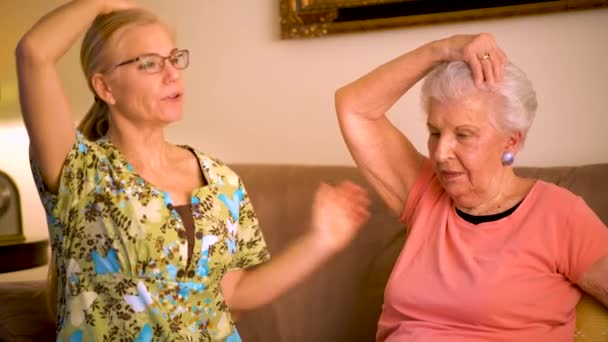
pixel 485 56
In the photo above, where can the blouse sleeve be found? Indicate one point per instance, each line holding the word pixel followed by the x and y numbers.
pixel 251 247
pixel 77 175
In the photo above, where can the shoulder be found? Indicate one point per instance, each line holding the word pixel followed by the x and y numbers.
pixel 84 156
pixel 426 194
pixel 561 202
pixel 554 195
pixel 217 170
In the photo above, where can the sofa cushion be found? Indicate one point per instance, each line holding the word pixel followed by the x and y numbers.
pixel 23 312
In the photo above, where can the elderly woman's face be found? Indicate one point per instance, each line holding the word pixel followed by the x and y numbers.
pixel 143 97
pixel 466 148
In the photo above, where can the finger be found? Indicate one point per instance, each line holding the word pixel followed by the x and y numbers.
pixel 498 64
pixel 358 197
pixel 352 209
pixel 476 68
pixel 360 218
pixel 504 61
pixel 361 213
pixel 352 190
pixel 323 194
pixel 488 72
pixel 498 69
pixel 350 186
pixel 501 59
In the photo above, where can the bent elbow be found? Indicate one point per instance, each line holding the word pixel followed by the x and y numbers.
pixel 27 52
pixel 342 102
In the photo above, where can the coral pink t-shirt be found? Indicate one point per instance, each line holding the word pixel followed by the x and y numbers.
pixel 506 280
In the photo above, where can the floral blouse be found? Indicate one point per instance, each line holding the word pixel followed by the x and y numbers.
pixel 122 255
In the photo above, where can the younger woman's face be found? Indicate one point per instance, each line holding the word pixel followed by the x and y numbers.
pixel 142 97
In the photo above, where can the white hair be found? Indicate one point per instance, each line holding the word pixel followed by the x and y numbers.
pixel 515 112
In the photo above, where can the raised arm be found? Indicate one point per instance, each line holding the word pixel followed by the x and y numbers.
pixel 46 111
pixel 385 156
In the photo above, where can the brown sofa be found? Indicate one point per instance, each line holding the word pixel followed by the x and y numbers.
pixel 342 300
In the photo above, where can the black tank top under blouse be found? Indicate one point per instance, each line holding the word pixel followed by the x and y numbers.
pixel 185 212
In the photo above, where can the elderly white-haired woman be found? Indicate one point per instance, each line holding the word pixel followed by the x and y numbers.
pixel 490 256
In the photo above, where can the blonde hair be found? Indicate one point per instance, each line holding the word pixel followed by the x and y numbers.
pixel 93 51
pixel 95 123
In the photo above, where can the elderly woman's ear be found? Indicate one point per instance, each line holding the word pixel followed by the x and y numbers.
pixel 511 148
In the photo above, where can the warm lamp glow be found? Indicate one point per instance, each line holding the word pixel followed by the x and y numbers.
pixel 9 100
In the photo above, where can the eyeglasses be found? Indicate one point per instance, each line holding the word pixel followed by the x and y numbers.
pixel 153 63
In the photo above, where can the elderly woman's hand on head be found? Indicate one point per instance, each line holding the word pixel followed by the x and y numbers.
pixel 108 6
pixel 481 52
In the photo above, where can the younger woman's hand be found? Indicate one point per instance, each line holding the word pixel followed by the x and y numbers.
pixel 338 214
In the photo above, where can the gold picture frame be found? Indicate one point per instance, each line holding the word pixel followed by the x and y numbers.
pixel 316 18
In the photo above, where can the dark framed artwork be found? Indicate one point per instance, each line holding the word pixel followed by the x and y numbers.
pixel 315 18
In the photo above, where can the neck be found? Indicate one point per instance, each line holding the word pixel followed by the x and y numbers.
pixel 145 149
pixel 502 195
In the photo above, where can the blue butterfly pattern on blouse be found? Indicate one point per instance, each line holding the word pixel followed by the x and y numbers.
pixel 75 337
pixel 187 287
pixel 82 148
pixel 231 240
pixel 233 203
pixel 202 267
pixel 145 334
pixel 235 337
pixel 109 264
pixel 231 243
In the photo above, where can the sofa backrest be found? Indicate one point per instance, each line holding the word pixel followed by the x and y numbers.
pixel 342 301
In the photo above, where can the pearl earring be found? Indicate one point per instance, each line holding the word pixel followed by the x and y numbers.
pixel 508 158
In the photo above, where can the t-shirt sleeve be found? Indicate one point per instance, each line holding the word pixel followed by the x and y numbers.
pixel 584 243
pixel 417 192
pixel 251 247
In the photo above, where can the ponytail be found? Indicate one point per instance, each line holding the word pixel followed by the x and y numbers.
pixel 95 124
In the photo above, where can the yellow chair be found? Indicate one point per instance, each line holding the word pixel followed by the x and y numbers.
pixel 591 321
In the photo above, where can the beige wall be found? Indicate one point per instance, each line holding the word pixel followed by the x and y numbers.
pixel 254 98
